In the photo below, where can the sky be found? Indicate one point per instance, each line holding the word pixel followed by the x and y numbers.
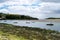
pixel 36 8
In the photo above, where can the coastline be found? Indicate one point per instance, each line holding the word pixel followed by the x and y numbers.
pixel 46 20
pixel 41 20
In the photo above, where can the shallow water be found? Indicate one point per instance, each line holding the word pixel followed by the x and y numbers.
pixel 37 24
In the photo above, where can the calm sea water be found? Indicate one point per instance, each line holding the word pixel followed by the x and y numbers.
pixel 36 24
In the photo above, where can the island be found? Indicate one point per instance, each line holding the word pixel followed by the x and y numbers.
pixel 52 18
pixel 16 17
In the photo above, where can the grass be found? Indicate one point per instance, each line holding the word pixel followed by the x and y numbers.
pixel 12 32
pixel 5 36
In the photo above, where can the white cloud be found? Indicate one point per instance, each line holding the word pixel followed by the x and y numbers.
pixel 26 2
pixel 4 11
pixel 34 8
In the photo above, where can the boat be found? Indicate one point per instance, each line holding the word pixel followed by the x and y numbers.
pixel 33 22
pixel 50 24
pixel 28 22
pixel 4 20
pixel 15 22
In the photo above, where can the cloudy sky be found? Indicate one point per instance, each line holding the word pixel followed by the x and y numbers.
pixel 35 8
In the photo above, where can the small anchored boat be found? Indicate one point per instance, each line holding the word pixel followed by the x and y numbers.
pixel 4 20
pixel 33 22
pixel 28 22
pixel 15 22
pixel 50 24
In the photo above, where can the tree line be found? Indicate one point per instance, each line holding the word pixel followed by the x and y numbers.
pixel 14 16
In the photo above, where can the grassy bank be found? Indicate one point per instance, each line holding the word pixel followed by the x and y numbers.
pixel 12 32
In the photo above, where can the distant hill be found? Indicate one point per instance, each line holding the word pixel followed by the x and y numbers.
pixel 14 16
pixel 52 18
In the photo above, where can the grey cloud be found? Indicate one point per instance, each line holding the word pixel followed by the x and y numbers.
pixel 57 11
pixel 52 15
pixel 1 1
pixel 57 1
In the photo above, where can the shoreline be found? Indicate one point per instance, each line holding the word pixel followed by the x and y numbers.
pixel 44 20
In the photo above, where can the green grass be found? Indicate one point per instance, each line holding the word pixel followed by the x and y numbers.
pixel 5 36
pixel 12 32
